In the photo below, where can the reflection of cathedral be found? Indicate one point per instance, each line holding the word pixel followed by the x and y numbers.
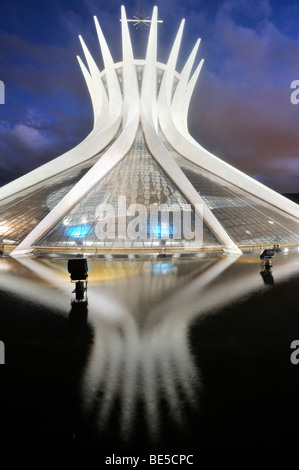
pixel 140 150
pixel 140 360
pixel 139 314
pixel 140 364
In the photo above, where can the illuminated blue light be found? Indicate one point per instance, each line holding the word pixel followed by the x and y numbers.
pixel 164 231
pixel 162 268
pixel 77 231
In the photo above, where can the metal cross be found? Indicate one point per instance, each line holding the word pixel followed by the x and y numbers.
pixel 141 22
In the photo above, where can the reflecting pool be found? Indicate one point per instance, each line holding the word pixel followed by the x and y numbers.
pixel 176 354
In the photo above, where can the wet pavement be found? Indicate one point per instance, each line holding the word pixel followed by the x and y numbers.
pixel 174 354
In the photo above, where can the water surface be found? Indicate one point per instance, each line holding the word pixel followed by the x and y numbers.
pixel 186 353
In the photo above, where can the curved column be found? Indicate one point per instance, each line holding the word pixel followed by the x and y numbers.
pixel 108 161
pixel 201 157
pixel 179 94
pixel 130 84
pixel 114 91
pixel 160 153
pixel 149 79
pixel 174 127
pixel 99 96
pixel 90 86
pixel 107 119
pixel 181 121
pixel 168 77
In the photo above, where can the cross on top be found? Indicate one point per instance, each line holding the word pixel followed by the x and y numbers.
pixel 141 21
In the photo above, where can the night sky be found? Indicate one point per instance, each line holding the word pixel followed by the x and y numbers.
pixel 241 108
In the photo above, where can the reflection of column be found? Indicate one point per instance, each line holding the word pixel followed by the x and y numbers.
pixel 19 281
pixel 148 362
pixel 112 367
pixel 182 300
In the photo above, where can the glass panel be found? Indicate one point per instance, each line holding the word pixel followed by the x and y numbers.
pixel 138 179
pixel 20 213
pixel 247 219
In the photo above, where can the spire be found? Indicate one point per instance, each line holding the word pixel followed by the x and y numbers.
pixel 181 119
pixel 179 95
pixel 98 93
pixel 130 85
pixel 114 91
pixel 168 77
pixel 149 80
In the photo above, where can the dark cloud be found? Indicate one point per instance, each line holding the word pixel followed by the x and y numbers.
pixel 47 107
pixel 28 145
